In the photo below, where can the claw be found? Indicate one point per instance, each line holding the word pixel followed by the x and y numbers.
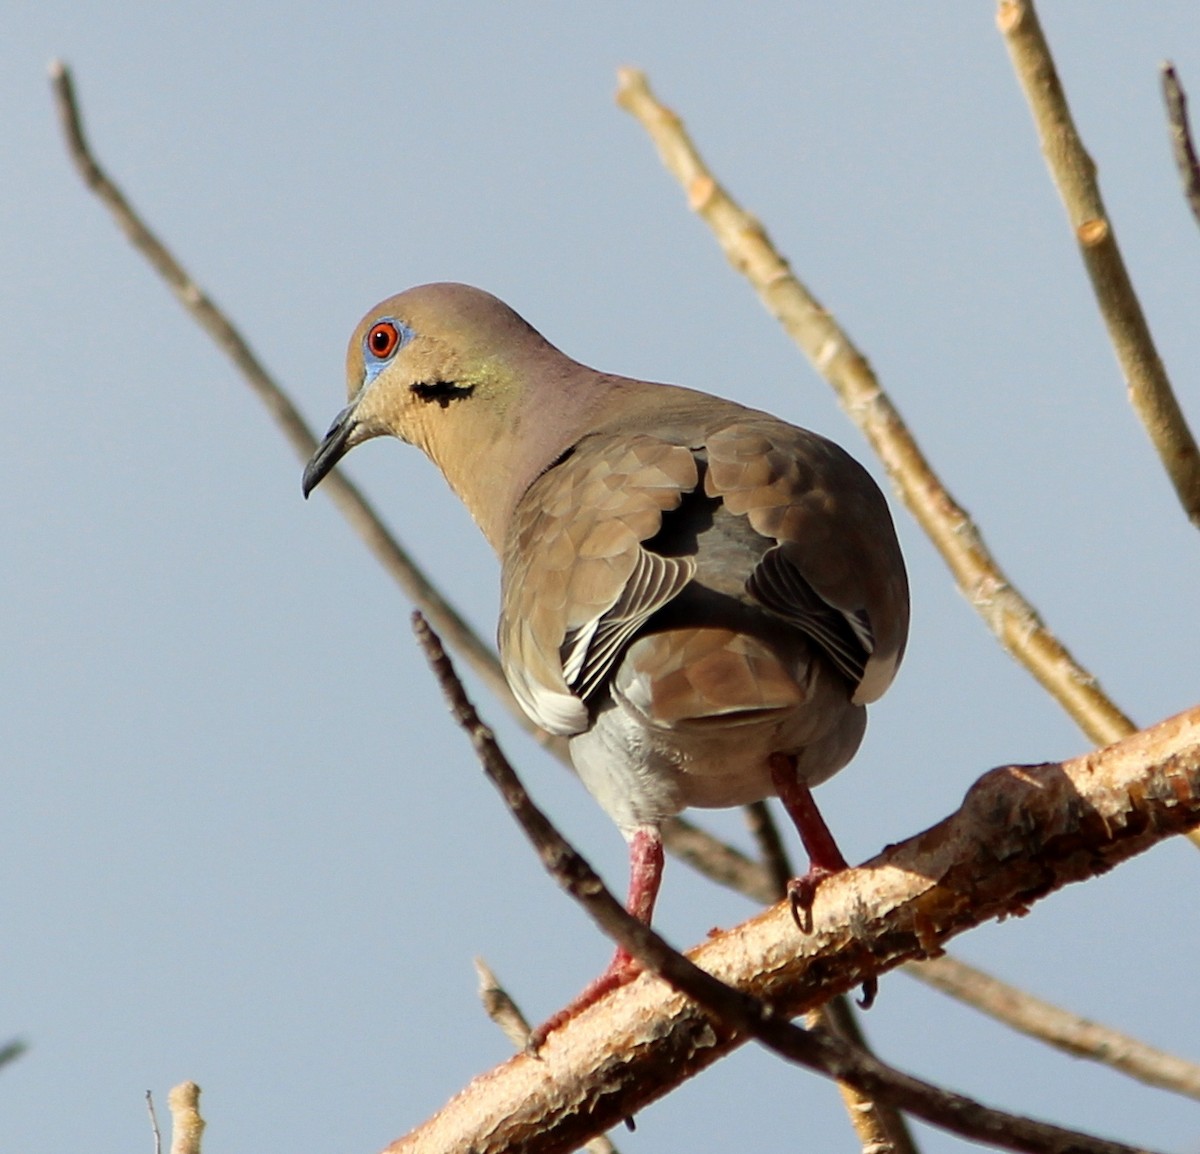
pixel 802 892
pixel 869 989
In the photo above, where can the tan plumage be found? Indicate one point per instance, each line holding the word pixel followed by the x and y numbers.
pixel 702 597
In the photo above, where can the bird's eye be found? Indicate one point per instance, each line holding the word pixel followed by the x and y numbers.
pixel 383 339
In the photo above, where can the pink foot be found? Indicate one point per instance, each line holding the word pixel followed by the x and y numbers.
pixel 825 859
pixel 802 892
pixel 620 970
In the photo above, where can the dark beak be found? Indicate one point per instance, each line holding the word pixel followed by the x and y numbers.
pixel 331 450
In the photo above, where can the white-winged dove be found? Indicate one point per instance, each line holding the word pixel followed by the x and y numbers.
pixel 700 596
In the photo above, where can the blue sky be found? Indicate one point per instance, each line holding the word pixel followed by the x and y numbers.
pixel 241 840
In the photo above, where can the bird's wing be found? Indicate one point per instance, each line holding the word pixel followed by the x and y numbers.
pixel 576 581
pixel 835 571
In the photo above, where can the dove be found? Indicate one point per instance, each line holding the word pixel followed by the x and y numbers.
pixel 701 597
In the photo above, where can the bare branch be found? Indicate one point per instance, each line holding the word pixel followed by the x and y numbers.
pixel 1182 144
pixel 154 1122
pixel 1021 833
pixel 1074 175
pixel 500 1007
pixel 186 1124
pixel 771 851
pixel 1055 1026
pixel 1008 1004
pixel 745 242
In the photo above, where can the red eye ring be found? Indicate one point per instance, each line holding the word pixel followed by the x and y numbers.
pixel 383 340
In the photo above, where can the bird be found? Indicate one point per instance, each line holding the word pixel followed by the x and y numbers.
pixel 700 597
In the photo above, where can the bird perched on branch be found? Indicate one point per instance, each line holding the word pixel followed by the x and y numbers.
pixel 701 597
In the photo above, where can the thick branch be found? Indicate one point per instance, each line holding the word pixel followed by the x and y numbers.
pixel 745 242
pixel 1022 832
pixel 1007 1004
pixel 1074 174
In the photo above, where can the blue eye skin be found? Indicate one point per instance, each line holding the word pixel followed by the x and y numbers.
pixel 381 343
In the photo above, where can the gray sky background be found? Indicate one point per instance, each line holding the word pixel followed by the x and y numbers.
pixel 240 840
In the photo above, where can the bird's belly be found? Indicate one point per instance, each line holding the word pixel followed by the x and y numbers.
pixel 641 774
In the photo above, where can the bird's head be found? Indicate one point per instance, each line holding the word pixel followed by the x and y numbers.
pixel 456 372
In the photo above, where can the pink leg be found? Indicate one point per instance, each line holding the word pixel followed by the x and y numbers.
pixel 645 877
pixel 824 857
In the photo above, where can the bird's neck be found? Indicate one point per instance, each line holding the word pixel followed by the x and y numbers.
pixel 489 480
pixel 512 439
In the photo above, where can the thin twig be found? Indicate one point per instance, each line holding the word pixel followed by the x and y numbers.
pixel 738 1013
pixel 187 1126
pixel 1074 174
pixel 500 1007
pixel 772 854
pixel 1055 1026
pixel 880 1127
pixel 1182 144
pixel 154 1122
pixel 746 244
